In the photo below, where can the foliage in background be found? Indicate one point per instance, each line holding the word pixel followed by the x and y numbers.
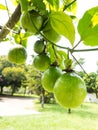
pixel 4 63
pixel 27 80
pixel 91 81
pixel 22 79
pixel 14 76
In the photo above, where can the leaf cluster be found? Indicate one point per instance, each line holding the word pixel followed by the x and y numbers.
pixel 61 15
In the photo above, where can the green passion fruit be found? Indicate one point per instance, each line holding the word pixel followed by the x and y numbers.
pixel 41 62
pixel 31 21
pixel 50 34
pixel 39 46
pixel 70 90
pixel 49 77
pixel 17 55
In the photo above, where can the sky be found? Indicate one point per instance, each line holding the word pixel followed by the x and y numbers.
pixel 90 57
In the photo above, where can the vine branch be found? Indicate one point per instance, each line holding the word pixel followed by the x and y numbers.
pixel 10 23
pixel 77 44
pixel 85 50
pixel 79 63
pixel 66 6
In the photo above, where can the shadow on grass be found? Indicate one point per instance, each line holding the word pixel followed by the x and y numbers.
pixel 17 96
pixel 85 110
pixel 87 114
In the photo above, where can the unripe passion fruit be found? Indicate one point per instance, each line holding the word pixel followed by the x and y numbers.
pixel 49 78
pixel 41 62
pixel 50 34
pixel 31 21
pixel 39 46
pixel 70 90
pixel 17 55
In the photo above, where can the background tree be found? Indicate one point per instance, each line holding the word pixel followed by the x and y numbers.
pixel 15 76
pixel 91 81
pixel 1 84
pixel 34 86
pixel 4 63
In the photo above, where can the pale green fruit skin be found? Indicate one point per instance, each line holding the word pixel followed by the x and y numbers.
pixel 49 78
pixel 39 47
pixel 17 55
pixel 27 20
pixel 70 90
pixel 50 34
pixel 41 62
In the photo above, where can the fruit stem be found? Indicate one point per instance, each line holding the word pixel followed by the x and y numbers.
pixel 55 63
pixel 69 110
pixel 68 70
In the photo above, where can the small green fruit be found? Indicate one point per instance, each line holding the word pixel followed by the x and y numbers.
pixel 49 78
pixel 17 55
pixel 39 46
pixel 41 62
pixel 31 21
pixel 70 90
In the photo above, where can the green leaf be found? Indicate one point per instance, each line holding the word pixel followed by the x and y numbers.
pixel 62 56
pixel 54 3
pixel 2 7
pixel 24 5
pixel 63 25
pixel 62 53
pixel 24 43
pixel 21 39
pixel 51 53
pixel 71 6
pixel 17 39
pixel 88 27
pixel 39 4
pixel 68 63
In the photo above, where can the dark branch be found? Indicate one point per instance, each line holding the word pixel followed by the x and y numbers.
pixel 79 63
pixel 66 6
pixel 85 50
pixel 10 23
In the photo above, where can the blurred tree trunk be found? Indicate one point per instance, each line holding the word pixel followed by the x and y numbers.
pixel 1 89
pixel 43 98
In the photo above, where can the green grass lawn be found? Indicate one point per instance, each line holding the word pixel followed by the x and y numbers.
pixel 54 117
